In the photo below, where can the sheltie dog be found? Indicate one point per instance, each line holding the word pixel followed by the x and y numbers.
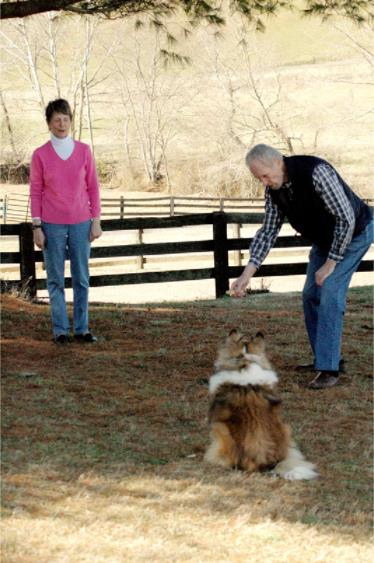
pixel 247 430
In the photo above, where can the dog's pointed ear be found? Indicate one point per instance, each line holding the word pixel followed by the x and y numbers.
pixel 234 335
pixel 259 341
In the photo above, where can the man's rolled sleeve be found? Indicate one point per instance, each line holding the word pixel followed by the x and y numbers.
pixel 328 186
pixel 265 237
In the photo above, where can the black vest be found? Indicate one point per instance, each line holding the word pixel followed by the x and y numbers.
pixel 306 210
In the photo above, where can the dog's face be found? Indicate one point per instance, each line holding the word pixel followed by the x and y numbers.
pixel 239 350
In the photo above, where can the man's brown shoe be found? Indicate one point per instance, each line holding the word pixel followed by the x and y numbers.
pixel 324 380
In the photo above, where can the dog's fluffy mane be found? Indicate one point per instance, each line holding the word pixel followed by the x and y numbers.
pixel 254 374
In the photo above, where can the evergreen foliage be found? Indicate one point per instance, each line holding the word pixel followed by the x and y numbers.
pixel 197 11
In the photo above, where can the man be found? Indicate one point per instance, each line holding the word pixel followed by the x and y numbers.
pixel 322 207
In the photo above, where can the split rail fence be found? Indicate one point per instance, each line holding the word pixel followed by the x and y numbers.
pixel 15 208
pixel 219 245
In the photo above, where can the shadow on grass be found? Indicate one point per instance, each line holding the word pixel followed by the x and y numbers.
pixel 126 418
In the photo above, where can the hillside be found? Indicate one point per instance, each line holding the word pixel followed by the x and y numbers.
pixel 302 85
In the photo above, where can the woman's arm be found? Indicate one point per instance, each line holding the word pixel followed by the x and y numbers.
pixel 92 185
pixel 96 231
pixel 94 195
pixel 36 185
pixel 36 194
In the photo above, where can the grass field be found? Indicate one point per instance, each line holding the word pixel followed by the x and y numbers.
pixel 103 446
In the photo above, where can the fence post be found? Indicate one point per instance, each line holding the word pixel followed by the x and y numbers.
pixel 139 240
pixel 5 208
pixel 221 254
pixel 237 253
pixel 121 207
pixel 27 209
pixel 27 261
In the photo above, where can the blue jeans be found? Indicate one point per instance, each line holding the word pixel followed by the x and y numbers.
pixel 324 306
pixel 70 241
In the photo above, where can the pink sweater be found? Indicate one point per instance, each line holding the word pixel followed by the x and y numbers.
pixel 64 191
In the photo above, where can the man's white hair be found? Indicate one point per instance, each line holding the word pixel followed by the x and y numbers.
pixel 262 152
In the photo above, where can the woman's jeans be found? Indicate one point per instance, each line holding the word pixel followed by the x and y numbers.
pixel 70 241
pixel 324 306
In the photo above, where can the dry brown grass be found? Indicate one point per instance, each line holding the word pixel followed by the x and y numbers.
pixel 103 446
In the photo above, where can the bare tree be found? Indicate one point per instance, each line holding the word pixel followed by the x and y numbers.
pixel 257 118
pixel 9 127
pixel 36 48
pixel 52 34
pixel 248 105
pixel 263 123
pixel 87 75
pixel 20 45
pixel 151 100
pixel 364 44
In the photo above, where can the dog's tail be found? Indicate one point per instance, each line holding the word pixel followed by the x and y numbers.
pixel 295 467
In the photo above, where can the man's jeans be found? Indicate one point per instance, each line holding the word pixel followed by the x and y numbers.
pixel 67 241
pixel 324 306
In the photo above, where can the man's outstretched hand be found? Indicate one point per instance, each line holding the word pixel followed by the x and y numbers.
pixel 239 286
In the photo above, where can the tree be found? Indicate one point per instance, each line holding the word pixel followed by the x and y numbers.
pixel 152 100
pixel 212 11
pixel 24 51
pixel 359 11
pixel 9 127
pixel 35 52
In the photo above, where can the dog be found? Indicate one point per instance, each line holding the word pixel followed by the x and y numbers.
pixel 247 430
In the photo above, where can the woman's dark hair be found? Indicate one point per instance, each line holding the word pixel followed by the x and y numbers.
pixel 58 106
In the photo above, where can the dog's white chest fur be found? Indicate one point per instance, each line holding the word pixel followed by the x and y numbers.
pixel 252 375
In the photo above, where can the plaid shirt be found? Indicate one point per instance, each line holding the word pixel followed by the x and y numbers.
pixel 327 185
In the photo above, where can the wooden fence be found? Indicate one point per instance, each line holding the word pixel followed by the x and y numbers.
pixel 176 205
pixel 219 245
pixel 15 208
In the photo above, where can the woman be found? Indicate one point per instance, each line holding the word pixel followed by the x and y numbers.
pixel 65 209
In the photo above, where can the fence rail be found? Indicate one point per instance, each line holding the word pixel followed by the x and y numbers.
pixel 15 208
pixel 219 245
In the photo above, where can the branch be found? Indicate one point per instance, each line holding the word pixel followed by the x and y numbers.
pixel 156 8
pixel 358 11
pixel 21 9
pixel 209 11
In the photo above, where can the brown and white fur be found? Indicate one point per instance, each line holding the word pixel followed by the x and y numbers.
pixel 247 430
